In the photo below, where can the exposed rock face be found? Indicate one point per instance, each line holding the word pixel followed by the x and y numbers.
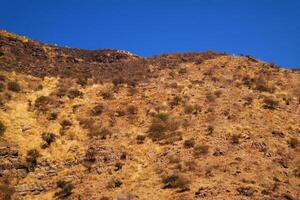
pixel 107 124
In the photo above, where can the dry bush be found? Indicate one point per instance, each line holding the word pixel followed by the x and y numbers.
pixel 114 183
pixel 189 143
pixel 235 139
pixel 189 109
pixel 2 87
pixel 13 86
pixel 44 103
pixel 73 93
pixel 293 142
pixel 175 101
pixel 6 191
pixel 200 150
pixel 2 128
pixel 261 85
pixel 132 110
pixel 210 129
pixel 162 116
pixel 210 97
pixel 66 189
pixel 48 138
pixel 97 110
pixel 86 123
pixel 140 139
pixel 118 81
pixel 218 93
pixel 108 95
pixel 246 191
pixel 157 131
pixel 82 81
pixel 102 133
pixel 52 116
pixel 176 181
pixel 132 91
pixel 66 124
pixel 31 159
pixel 270 103
pixel 90 155
pixel 2 78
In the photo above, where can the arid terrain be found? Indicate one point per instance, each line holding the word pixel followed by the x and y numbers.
pixel 111 125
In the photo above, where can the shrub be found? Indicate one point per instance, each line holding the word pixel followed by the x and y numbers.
pixel 44 103
pixel 2 87
pixel 132 110
pixel 82 81
pixel 107 95
pixel 189 143
pixel 262 86
pixel 118 81
pixel 13 86
pixel 293 142
pixel 162 116
pixel 114 183
pixel 188 109
pixel 210 129
pixel 218 93
pixel 97 110
pixel 103 133
pixel 246 191
pixel 66 189
pixel 48 138
pixel 175 101
pixel 132 91
pixel 200 150
pixel 72 94
pixel 86 123
pixel 65 123
pixel 90 155
pixel 2 77
pixel 235 139
pixel 269 103
pixel 176 181
pixel 157 131
pixel 140 139
pixel 2 128
pixel 210 97
pixel 31 159
pixel 53 116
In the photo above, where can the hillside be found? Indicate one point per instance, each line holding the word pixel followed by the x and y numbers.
pixel 108 124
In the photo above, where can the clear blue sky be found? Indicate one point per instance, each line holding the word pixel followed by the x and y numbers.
pixel 266 29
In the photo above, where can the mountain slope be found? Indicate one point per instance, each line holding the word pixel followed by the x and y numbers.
pixel 107 124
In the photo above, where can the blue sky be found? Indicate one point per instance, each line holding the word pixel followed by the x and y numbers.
pixel 266 29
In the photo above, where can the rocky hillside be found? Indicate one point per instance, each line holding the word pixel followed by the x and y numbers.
pixel 110 125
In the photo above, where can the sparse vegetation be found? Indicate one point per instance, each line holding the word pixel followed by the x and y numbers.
pixel 293 142
pixel 73 93
pixel 107 95
pixel 66 189
pixel 189 143
pixel 235 139
pixel 13 86
pixel 157 131
pixel 102 133
pixel 66 124
pixel 140 139
pixel 48 138
pixel 97 110
pixel 200 150
pixel 2 128
pixel 162 116
pixel 188 109
pixel 132 110
pixel 176 181
pixel 270 103
pixel 31 159
pixel 44 103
